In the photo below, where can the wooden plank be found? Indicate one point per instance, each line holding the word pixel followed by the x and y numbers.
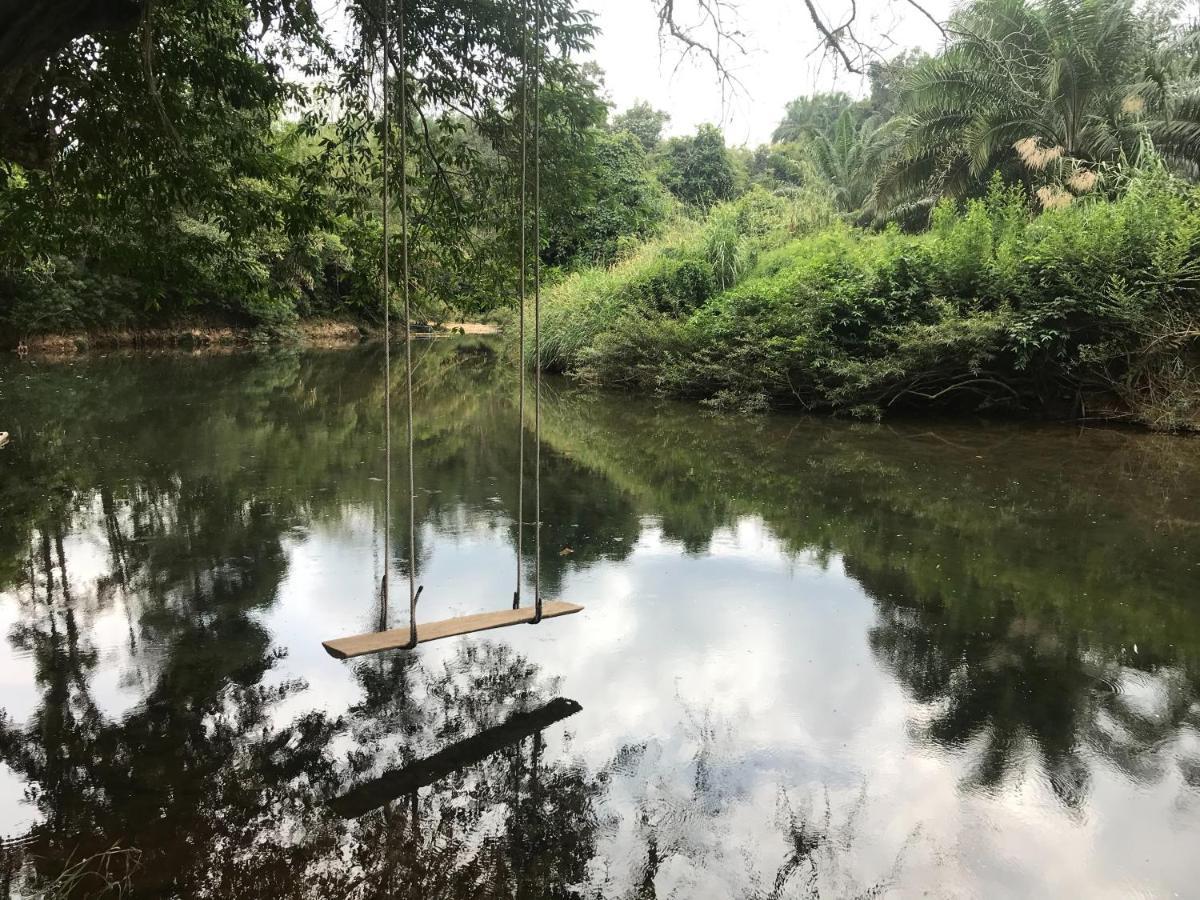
pixel 377 641
pixel 398 782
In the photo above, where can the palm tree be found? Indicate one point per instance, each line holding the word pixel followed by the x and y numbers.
pixel 1030 87
pixel 814 114
pixel 847 154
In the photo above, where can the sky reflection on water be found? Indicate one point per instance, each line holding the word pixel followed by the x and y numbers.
pixel 814 657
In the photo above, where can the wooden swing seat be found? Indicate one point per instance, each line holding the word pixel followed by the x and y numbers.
pixel 378 641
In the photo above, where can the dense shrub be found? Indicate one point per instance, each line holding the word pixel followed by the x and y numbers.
pixel 674 275
pixel 265 274
pixel 1089 309
pixel 699 170
pixel 621 200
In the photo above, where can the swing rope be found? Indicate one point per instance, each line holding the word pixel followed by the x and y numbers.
pixel 413 590
pixel 537 306
pixel 523 217
pixel 537 311
pixel 387 342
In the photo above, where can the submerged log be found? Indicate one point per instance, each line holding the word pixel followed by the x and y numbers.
pixel 399 782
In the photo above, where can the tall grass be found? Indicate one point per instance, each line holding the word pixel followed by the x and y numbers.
pixel 585 303
pixel 105 874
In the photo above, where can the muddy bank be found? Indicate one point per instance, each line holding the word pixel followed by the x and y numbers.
pixel 210 336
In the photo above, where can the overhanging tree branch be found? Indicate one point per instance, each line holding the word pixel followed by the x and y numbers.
pixel 839 40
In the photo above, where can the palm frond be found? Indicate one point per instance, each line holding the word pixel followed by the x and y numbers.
pixel 1093 77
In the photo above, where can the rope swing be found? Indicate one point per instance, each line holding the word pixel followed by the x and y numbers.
pixel 537 307
pixel 523 215
pixel 537 316
pixel 407 639
pixel 413 591
pixel 387 342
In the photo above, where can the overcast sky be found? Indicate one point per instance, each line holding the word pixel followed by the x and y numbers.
pixel 780 63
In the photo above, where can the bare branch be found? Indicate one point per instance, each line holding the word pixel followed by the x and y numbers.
pixel 928 15
pixel 714 16
pixel 832 38
pixel 839 40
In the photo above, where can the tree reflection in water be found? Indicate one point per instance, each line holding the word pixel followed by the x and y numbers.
pixel 1021 684
pixel 1013 574
pixel 222 802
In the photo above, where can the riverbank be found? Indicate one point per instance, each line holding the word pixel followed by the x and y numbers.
pixel 201 335
pixel 1087 312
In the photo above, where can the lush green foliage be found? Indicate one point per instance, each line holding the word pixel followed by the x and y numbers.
pixel 843 140
pixel 1041 160
pixel 1054 94
pixel 170 187
pixel 1080 308
pixel 698 169
pixel 195 172
pixel 644 122
pixel 616 202
pixel 847 155
pixel 667 279
pixel 810 115
pixel 1044 91
pixel 780 167
pixel 185 192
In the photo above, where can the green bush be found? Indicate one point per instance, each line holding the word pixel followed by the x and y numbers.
pixel 1093 308
pixel 670 277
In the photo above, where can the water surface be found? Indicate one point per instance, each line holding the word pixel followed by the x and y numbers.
pixel 816 657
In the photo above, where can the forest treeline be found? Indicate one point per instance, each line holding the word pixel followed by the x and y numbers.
pixel 1011 221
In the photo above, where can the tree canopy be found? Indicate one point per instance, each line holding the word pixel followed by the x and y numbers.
pixel 224 157
pixel 1043 90
pixel 697 168
pixel 644 122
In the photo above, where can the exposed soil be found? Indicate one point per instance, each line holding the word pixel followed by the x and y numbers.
pixel 325 333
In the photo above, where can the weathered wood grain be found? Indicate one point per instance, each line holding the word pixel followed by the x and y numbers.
pixel 377 641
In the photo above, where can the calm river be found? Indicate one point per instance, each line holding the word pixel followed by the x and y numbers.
pixel 816 657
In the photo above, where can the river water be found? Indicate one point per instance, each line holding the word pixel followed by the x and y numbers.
pixel 816 657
